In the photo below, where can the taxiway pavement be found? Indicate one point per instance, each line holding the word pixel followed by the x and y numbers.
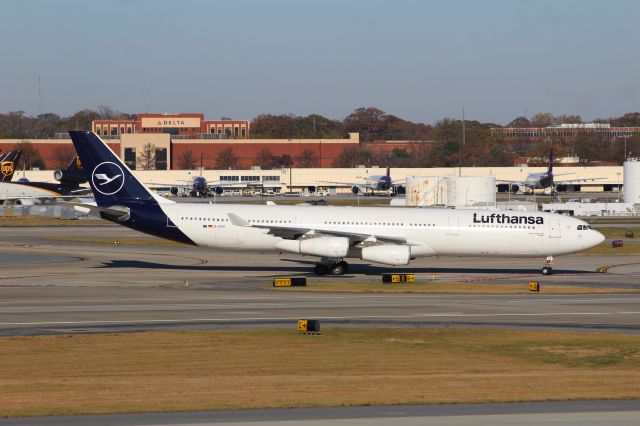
pixel 52 282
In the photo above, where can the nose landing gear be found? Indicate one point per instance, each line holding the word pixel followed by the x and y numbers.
pixel 328 266
pixel 547 269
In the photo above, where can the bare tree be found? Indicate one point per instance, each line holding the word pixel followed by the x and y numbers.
pixel 30 156
pixel 265 159
pixel 62 156
pixel 307 159
pixel 147 158
pixel 187 161
pixel 106 112
pixel 227 159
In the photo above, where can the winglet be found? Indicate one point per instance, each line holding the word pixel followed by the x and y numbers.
pixel 237 220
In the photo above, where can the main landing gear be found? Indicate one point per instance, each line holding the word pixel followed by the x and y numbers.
pixel 328 266
pixel 547 269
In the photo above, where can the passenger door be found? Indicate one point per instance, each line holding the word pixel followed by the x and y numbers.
pixel 554 228
pixel 454 223
pixel 173 217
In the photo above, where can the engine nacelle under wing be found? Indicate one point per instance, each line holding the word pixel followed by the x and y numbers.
pixel 321 246
pixel 387 254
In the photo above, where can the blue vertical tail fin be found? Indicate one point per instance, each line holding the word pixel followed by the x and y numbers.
pixel 389 167
pixel 110 179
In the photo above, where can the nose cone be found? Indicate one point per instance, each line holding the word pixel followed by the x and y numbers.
pixel 595 238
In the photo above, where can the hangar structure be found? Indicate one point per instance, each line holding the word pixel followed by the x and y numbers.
pixel 297 179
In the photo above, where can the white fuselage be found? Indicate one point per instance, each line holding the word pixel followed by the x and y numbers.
pixel 15 190
pixel 428 232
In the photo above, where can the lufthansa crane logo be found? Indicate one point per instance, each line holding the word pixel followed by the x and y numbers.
pixel 7 168
pixel 107 178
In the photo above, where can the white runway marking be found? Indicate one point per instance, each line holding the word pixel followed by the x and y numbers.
pixel 248 319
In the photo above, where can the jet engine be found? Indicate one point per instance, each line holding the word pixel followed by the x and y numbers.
pixel 174 190
pixel 24 202
pixel 355 190
pixel 321 246
pixel 218 190
pixel 388 254
pixel 514 188
pixel 69 178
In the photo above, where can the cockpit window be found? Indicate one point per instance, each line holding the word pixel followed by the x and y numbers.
pixel 579 227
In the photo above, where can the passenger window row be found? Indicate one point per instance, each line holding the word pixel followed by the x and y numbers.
pixel 503 226
pixel 208 219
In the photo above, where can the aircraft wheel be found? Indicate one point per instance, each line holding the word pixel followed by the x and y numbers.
pixel 339 268
pixel 547 270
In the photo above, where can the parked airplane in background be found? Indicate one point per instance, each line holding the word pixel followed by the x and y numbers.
pixel 375 183
pixel 544 180
pixel 375 234
pixel 23 192
pixel 198 186
pixel 8 164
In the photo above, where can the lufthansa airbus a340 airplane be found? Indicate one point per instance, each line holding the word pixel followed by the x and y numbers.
pixel 375 234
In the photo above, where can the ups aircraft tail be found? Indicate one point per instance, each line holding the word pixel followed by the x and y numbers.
pixel 73 175
pixel 8 164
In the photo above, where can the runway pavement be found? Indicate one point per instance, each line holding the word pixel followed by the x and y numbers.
pixel 49 285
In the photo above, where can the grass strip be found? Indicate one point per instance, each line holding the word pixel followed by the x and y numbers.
pixel 236 369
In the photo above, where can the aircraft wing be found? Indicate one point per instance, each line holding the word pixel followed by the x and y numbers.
pixel 571 181
pixel 232 184
pixel 289 232
pixel 517 182
pixel 77 193
pixel 344 183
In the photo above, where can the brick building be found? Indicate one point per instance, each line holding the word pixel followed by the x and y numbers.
pixel 172 137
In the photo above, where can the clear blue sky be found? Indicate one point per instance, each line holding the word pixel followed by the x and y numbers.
pixel 420 60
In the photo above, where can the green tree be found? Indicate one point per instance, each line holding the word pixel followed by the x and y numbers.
pixel 269 126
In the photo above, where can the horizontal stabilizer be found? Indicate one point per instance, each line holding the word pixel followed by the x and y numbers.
pixel 113 213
